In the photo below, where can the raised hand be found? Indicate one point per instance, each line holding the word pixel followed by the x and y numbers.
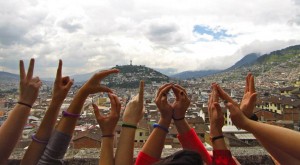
pixel 161 101
pixel 135 108
pixel 181 103
pixel 108 123
pixel 93 85
pixel 29 85
pixel 249 99
pixel 62 85
pixel 216 117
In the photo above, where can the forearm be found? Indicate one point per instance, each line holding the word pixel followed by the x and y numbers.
pixel 12 130
pixel 36 149
pixel 106 153
pixel 124 153
pixel 56 148
pixel 155 143
pixel 281 156
pixel 67 124
pixel 288 142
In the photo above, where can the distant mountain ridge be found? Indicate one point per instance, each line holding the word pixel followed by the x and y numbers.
pixel 194 74
pixel 5 76
pixel 249 60
pixel 245 61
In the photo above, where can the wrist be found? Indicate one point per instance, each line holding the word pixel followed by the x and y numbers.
pixel 134 122
pixel 164 122
pixel 214 133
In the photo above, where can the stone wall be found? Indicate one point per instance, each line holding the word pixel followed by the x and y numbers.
pixel 247 156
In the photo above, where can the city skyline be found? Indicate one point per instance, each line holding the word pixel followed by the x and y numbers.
pixel 93 35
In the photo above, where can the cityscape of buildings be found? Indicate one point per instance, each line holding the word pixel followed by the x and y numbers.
pixel 278 103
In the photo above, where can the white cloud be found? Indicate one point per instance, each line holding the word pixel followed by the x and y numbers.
pixel 91 35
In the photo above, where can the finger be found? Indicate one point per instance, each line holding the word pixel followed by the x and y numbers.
pixel 118 105
pixel 160 88
pixel 96 112
pixel 103 74
pixel 30 69
pixel 180 87
pixel 141 92
pixel 22 70
pixel 176 92
pixel 225 96
pixel 69 84
pixel 218 109
pixel 253 98
pixel 232 108
pixel 65 80
pixel 116 102
pixel 215 95
pixel 104 89
pixel 38 84
pixel 164 92
pixel 59 70
pixel 252 85
pixel 35 79
pixel 247 83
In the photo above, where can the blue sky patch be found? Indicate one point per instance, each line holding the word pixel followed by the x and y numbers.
pixel 216 33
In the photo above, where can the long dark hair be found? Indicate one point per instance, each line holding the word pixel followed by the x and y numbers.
pixel 183 157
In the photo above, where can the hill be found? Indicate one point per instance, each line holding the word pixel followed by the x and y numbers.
pixel 245 61
pixel 194 74
pixel 280 66
pixel 130 76
pixel 5 76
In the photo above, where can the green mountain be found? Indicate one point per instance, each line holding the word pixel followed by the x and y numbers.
pixel 280 66
pixel 130 76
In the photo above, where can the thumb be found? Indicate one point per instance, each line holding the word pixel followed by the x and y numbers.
pixel 96 112
pixel 232 108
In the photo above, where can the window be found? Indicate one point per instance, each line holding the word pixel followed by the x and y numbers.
pixel 141 133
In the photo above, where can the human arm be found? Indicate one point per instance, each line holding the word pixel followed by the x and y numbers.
pixel 13 126
pixel 221 154
pixel 247 106
pixel 132 115
pixel 66 125
pixel 284 145
pixel 61 88
pixel 108 125
pixel 155 143
pixel 187 136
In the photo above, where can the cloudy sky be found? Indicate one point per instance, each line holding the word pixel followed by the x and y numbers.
pixel 182 35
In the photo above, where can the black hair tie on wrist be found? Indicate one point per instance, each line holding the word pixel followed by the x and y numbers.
pixel 27 105
pixel 254 117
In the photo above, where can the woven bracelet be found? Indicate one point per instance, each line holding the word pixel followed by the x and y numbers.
pixel 67 114
pixel 37 140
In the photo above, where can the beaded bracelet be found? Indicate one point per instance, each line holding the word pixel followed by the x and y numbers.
pixel 27 105
pixel 37 140
pixel 68 114
pixel 161 127
pixel 129 125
